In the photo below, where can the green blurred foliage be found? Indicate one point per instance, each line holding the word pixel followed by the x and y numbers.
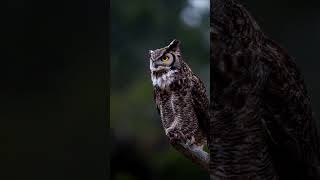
pixel 136 27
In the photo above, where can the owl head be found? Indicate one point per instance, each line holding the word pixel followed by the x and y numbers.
pixel 166 58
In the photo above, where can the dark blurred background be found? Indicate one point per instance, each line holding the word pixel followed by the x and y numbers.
pixel 53 95
pixel 140 149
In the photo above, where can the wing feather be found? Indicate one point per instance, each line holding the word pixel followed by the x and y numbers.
pixel 200 104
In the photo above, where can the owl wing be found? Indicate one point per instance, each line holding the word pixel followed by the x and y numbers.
pixel 200 104
pixel 287 117
pixel 290 115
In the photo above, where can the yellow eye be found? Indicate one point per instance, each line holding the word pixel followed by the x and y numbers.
pixel 164 58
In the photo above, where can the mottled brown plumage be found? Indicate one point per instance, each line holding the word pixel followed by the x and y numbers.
pixel 262 125
pixel 180 96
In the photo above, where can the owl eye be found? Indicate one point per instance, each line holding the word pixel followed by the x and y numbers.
pixel 164 58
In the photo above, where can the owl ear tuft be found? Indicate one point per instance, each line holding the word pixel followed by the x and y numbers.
pixel 174 45
pixel 151 52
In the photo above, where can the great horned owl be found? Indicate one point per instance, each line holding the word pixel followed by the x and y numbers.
pixel 180 96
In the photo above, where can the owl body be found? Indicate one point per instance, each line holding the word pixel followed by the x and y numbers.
pixel 262 125
pixel 180 97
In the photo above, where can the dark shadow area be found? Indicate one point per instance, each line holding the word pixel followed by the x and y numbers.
pixel 53 90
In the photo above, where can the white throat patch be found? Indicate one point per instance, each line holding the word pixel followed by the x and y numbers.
pixel 164 80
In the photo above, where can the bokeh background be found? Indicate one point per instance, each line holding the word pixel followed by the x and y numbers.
pixel 140 149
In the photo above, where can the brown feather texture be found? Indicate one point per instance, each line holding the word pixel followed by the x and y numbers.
pixel 262 125
pixel 180 97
